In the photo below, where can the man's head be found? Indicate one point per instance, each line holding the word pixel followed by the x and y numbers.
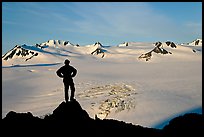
pixel 66 62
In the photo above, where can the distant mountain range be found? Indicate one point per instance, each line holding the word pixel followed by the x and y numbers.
pixel 54 47
pixel 60 48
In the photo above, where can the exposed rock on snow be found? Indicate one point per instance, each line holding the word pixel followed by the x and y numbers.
pixel 125 44
pixel 196 42
pixel 118 98
pixel 169 43
pixel 99 50
pixel 159 48
pixel 20 51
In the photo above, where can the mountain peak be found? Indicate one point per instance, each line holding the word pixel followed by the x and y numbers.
pixel 98 44
pixel 196 42
pixel 159 49
pixel 55 43
pixel 71 111
pixel 23 51
pixel 124 44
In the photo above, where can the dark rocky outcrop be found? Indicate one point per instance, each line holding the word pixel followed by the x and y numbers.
pixel 188 124
pixel 98 50
pixel 147 56
pixel 19 51
pixel 159 49
pixel 70 118
pixel 66 42
pixel 171 44
pixel 196 42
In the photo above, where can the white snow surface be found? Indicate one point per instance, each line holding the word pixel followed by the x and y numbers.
pixel 118 86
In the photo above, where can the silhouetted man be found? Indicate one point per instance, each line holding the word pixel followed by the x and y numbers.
pixel 67 72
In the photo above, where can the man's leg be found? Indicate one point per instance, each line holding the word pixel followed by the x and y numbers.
pixel 72 90
pixel 66 88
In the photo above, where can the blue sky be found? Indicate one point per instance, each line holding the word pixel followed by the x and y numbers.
pixel 110 23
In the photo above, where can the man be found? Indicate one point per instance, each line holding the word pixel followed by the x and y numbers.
pixel 67 72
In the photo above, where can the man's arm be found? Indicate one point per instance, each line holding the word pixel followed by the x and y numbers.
pixel 59 73
pixel 74 72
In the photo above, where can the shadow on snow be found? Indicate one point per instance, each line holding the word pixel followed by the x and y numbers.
pixel 31 65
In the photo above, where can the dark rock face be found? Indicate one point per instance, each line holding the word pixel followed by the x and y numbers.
pixel 99 50
pixel 158 44
pixel 69 111
pixel 171 44
pixel 70 118
pixel 188 124
pixel 98 43
pixel 147 56
pixel 65 43
pixel 159 49
pixel 196 42
pixel 126 43
pixel 20 116
pixel 19 51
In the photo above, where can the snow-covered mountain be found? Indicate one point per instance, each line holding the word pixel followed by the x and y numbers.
pixel 93 49
pixel 124 44
pixel 56 50
pixel 55 43
pixel 195 45
pixel 52 47
pixel 196 42
pixel 25 52
pixel 159 49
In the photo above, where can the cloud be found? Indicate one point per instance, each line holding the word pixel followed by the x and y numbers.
pixel 194 28
pixel 194 25
pixel 118 19
pixel 132 19
pixel 9 22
